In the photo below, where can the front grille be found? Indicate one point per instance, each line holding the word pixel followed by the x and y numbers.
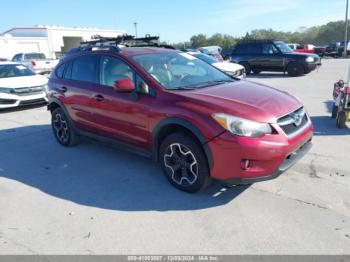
pixel 27 91
pixel 31 102
pixel 239 72
pixel 7 101
pixel 294 122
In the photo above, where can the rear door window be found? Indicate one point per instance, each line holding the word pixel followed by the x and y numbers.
pixel 85 69
pixel 248 48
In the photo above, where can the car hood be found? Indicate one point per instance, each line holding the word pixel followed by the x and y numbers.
pixel 228 67
pixel 301 55
pixel 245 99
pixel 23 81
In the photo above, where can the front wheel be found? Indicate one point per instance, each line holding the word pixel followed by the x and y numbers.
pixel 295 69
pixel 62 129
pixel 334 111
pixel 184 163
pixel 341 119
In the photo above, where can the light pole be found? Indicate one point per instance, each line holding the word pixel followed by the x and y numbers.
pixel 346 29
pixel 135 24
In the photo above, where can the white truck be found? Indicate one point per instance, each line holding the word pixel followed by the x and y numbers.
pixel 36 61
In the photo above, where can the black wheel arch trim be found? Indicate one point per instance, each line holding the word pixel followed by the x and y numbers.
pixel 54 100
pixel 187 125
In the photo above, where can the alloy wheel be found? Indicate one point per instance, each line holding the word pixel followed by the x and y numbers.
pixel 181 164
pixel 61 128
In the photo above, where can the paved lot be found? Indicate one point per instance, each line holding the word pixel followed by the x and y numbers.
pixel 92 199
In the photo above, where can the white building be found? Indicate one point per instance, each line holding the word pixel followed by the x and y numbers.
pixel 53 41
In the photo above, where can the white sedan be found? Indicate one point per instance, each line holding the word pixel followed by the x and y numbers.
pixel 20 86
pixel 229 68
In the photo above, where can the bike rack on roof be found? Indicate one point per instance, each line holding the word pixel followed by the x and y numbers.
pixel 99 43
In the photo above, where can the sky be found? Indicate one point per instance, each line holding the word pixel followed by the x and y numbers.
pixel 173 20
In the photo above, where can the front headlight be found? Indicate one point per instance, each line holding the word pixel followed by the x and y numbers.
pixel 309 59
pixel 242 127
pixel 5 90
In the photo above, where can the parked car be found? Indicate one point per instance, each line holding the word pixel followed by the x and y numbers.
pixel 302 48
pixel 193 119
pixel 36 61
pixel 3 59
pixel 226 52
pixel 336 49
pixel 20 86
pixel 214 51
pixel 341 48
pixel 232 69
pixel 320 51
pixel 271 55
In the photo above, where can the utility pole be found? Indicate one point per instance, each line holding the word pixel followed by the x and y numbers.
pixel 346 29
pixel 135 24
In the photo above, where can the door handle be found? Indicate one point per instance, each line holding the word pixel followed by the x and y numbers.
pixel 62 89
pixel 99 98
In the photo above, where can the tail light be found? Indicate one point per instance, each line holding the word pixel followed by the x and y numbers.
pixel 347 90
pixel 33 63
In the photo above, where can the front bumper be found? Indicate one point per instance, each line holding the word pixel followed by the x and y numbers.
pixel 312 66
pixel 10 100
pixel 269 156
pixel 286 164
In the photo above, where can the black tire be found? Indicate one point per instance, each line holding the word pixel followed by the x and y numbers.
pixel 62 128
pixel 334 111
pixel 295 69
pixel 341 119
pixel 247 67
pixel 256 71
pixel 184 162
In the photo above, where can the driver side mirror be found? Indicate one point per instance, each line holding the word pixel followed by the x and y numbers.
pixel 124 85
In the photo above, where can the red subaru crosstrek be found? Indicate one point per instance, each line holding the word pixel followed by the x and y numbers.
pixel 195 120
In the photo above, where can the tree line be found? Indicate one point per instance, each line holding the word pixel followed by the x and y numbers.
pixel 317 35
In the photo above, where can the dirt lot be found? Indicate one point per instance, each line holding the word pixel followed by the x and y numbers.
pixel 92 199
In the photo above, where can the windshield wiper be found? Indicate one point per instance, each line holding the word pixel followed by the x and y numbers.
pixel 203 84
pixel 213 83
pixel 182 88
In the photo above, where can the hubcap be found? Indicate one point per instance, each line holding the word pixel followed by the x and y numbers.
pixel 61 128
pixel 181 164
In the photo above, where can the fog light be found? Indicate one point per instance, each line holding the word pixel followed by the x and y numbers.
pixel 245 164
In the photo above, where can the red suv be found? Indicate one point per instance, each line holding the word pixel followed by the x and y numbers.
pixel 195 120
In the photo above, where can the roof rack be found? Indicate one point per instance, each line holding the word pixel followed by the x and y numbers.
pixel 99 43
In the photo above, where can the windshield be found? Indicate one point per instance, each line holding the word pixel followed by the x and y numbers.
pixel 180 70
pixel 14 71
pixel 283 47
pixel 206 58
pixel 36 56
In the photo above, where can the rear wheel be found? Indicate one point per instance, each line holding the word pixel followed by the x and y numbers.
pixel 295 69
pixel 247 67
pixel 62 129
pixel 334 111
pixel 184 163
pixel 341 119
